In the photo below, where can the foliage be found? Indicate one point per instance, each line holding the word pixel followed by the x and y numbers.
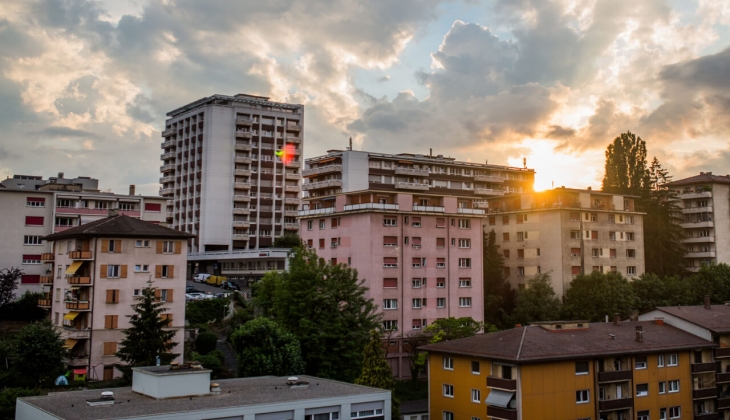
pixel 8 397
pixel 416 358
pixel 24 309
pixel 537 302
pixel 498 296
pixel 39 352
pixel 325 307
pixel 206 342
pixel 376 371
pixel 591 297
pixel 146 338
pixel 445 329
pixel 712 280
pixel 8 283
pixel 411 390
pixel 289 240
pixel 215 361
pixel 265 348
pixel 206 310
pixel 626 166
pixel 652 291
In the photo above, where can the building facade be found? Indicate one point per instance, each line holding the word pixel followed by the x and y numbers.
pixel 231 170
pixel 566 232
pixel 705 203
pixel 29 214
pixel 574 370
pixel 96 271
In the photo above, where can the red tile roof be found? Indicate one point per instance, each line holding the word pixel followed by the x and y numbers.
pixel 119 226
pixel 703 177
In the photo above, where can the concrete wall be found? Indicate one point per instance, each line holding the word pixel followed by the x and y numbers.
pixel 355 171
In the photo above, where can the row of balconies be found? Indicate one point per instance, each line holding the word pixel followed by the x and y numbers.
pixel 322 184
pixel 322 170
pixel 46 302
pixel 703 224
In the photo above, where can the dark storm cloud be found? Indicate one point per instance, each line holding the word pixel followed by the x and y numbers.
pixel 711 72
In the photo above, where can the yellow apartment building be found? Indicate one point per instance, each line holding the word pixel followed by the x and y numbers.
pixel 643 370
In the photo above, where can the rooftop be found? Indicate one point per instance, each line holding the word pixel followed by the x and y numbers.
pixel 239 392
pixel 536 343
pixel 240 98
pixel 119 226
pixel 715 319
pixel 702 178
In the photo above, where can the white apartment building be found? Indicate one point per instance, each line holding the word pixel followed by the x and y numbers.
pixel 705 203
pixel 227 182
pixel 567 232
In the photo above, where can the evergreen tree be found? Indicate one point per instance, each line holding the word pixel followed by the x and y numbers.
pixel 537 302
pixel 146 338
pixel 39 351
pixel 626 166
pixel 376 371
pixel 265 348
pixel 498 296
pixel 9 278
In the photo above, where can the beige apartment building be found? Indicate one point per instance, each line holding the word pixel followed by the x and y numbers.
pixel 566 232
pixel 32 208
pixel 231 171
pixel 95 273
pixel 705 203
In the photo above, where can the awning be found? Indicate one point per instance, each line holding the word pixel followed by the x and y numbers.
pixel 74 267
pixel 499 398
pixel 71 315
pixel 70 343
pixel 80 371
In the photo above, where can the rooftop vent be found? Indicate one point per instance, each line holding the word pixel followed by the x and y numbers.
pixel 106 398
pixel 294 382
pixel 215 388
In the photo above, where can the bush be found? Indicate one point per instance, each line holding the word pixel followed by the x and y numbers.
pixel 205 311
pixel 24 309
pixel 206 342
pixel 215 361
pixel 8 397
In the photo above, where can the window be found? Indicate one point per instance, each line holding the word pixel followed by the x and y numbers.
pixel 642 390
pixel 630 253
pixel 167 271
pixel 111 322
pixel 31 259
pixel 475 367
pixel 113 271
pixel 520 253
pixel 112 296
pixel 110 348
pixel 440 222
pixel 673 385
pixel 464 224
pixel 440 283
pixel 521 236
pixel 581 368
pixel 440 302
pixel 630 236
pixel 416 242
pixel 321 224
pixel 465 282
pixel 32 240
pixel 673 361
pixel 390 221
pixel 152 207
pixel 575 252
pixel 111 246
pixel 506 253
pixel 34 220
pixel 630 269
pixel 165 295
pixel 641 362
pixel 492 220
pixel 321 243
pixel 390 325
pixel 416 262
pixel 141 268
pixel 416 222
pixel 417 303
pixel 597 252
pixel 465 302
pixel 310 243
pixel 440 242
pixel 662 414
pixel 505 220
pixel 505 237
pixel 521 218
pixel 168 247
pixel 448 415
pixel 440 262
pixel 137 292
pixel 574 234
pixel 334 222
pixel 476 396
pixel 660 360
pixel 448 363
pixel 520 271
pixel 390 304
pixel 629 220
pixel 662 387
pixel 416 283
pixel 310 223
pixel 35 202
pixel 675 412
pixel 582 396
pixel 642 415
pixel 142 243
pixel 464 262
pixel 390 282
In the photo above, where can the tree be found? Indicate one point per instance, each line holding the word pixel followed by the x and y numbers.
pixel 626 171
pixel 591 297
pixel 416 358
pixel 537 302
pixel 376 371
pixel 24 309
pixel 206 311
pixel 8 397
pixel 288 240
pixel 712 280
pixel 325 307
pixel 498 296
pixel 8 283
pixel 652 291
pixel 146 338
pixel 265 348
pixel 39 351
pixel 206 342
pixel 215 361
pixel 445 329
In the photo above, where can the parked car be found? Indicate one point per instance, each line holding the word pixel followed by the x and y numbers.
pixel 201 278
pixel 227 285
pixel 191 289
pixel 215 280
pixel 194 296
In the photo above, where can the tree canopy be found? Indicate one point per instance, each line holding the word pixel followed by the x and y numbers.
pixel 8 283
pixel 263 347
pixel 498 296
pixel 593 296
pixel 626 166
pixel 288 240
pixel 537 302
pixel 39 351
pixel 376 371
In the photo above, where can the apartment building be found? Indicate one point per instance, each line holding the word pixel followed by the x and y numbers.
pixel 573 370
pixel 231 171
pixel 566 232
pixel 31 211
pixel 416 242
pixel 704 200
pixel 95 273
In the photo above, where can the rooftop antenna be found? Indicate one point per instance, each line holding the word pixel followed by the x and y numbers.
pixel 350 148
pixel 524 162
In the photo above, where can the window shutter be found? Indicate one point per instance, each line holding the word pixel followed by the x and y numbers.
pixel 169 295
pixel 118 248
pixel 110 296
pixel 159 246
pixel 390 260
pixel 123 270
pixel 107 321
pixel 441 242
pixel 115 321
pixel 105 245
pixel 157 295
pixel 390 240
pixel 158 271
pixel 178 247
pixel 170 271
pixel 390 282
pixel 110 348
pixel 102 271
pixel 416 241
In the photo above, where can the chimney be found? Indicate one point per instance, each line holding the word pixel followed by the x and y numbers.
pixel 616 319
pixel 707 302
pixel 659 321
pixel 639 333
pixel 132 189
pixel 60 175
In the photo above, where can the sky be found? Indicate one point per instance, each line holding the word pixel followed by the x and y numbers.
pixel 85 85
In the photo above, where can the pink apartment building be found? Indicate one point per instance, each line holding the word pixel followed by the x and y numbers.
pixel 96 271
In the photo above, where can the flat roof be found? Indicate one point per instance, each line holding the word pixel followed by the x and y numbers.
pixel 239 392
pixel 240 98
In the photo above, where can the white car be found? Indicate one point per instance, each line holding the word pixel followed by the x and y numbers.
pixel 201 278
pixel 195 296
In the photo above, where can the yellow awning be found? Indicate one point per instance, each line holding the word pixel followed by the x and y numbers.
pixel 74 267
pixel 70 343
pixel 71 315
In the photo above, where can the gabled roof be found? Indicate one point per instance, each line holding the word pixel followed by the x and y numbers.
pixel 534 343
pixel 703 177
pixel 715 319
pixel 119 226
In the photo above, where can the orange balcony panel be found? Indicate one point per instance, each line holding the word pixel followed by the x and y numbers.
pixel 81 255
pixel 79 306
pixel 46 279
pixel 47 256
pixel 79 280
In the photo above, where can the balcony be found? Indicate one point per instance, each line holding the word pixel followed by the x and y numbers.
pixel 412 172
pixel 242 185
pixel 241 198
pixel 292 176
pixel 411 186
pixel 45 302
pixel 81 305
pixel 243 159
pixel 294 164
pixel 241 223
pixel 614 376
pixel 488 178
pixel 481 204
pixel 168 155
pixel 704 393
pixel 488 191
pixel 239 210
pixel 244 135
pixel 326 210
pixel 322 170
pixel 433 209
pixel 291 226
pixel 294 127
pixel 241 236
pixel 168 132
pixel 293 139
pixel 703 367
pixel 703 239
pixel 291 188
pixel 169 214
pixel 722 352
pixel 291 201
pixel 166 191
pixel 690 225
pixel 370 206
pixel 705 254
pixel 80 281
pixel 167 168
pixel 46 279
pixel 166 179
pixel 707 209
pixel 76 333
pixel 470 211
pixel 244 121
pixel 81 255
pixel 242 172
pixel 501 383
pixel 501 413
pixel 707 416
pixel 616 404
pixel 693 195
pixel 723 403
pixel 243 147
pixel 47 257
pixel 291 213
pixel 722 378
pixel 168 144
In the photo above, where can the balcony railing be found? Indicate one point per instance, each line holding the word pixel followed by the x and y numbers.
pixel 692 195
pixel 168 132
pixel 78 280
pixel 291 213
pixel 469 211
pixel 501 413
pixel 412 172
pixel 243 198
pixel 699 394
pixel 291 201
pixel 702 239
pixel 291 226
pixel 167 168
pixel 331 183
pixel 242 185
pixel 488 191
pixel 237 210
pixel 292 139
pixel 326 210
pixel 242 159
pixel 722 378
pixel 167 144
pixel 293 176
pixel 501 383
pixel 166 179
pixel 81 255
pixel 242 172
pixel 722 352
pixel 707 209
pixel 243 147
pixel 241 236
pixel 435 209
pixel 322 170
pixel 244 121
pixel 703 367
pixel 76 333
pixel 45 302
pixel 47 256
pixel 166 191
pixel 488 178
pixel 168 155
pixel 615 376
pixel 46 279
pixel 616 404
pixel 241 223
pixel 707 416
pixel 704 254
pixel 78 305
pixel 294 127
pixel 412 186
pixel 244 135
pixel 704 224
pixel 723 403
pixel 291 188
pixel 371 206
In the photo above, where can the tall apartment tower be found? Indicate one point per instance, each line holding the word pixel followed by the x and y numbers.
pixel 231 173
pixel 705 208
pixel 412 227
